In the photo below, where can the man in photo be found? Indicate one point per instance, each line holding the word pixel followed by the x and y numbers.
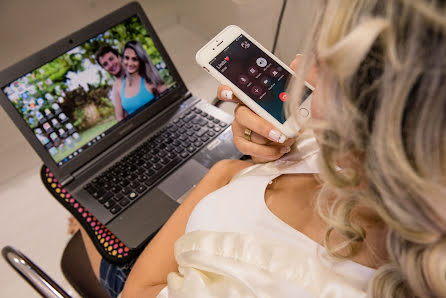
pixel 110 60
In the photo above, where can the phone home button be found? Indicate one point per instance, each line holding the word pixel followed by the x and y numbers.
pixel 304 112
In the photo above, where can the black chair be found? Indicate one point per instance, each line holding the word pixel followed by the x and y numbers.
pixel 79 274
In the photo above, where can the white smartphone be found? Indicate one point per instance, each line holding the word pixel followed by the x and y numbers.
pixel 258 78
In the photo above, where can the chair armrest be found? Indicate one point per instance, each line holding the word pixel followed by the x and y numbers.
pixel 38 279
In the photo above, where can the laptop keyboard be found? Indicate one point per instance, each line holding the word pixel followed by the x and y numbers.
pixel 136 173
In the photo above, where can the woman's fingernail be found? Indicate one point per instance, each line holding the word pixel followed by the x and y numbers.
pixel 277 136
pixel 226 94
pixel 282 139
pixel 284 150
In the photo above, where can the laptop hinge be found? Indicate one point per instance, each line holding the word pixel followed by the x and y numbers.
pixel 67 180
pixel 187 95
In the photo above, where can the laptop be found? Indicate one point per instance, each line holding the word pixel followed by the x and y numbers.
pixel 128 158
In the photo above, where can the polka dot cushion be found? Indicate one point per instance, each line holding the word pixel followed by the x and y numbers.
pixel 108 245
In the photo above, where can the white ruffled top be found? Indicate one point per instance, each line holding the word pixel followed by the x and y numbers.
pixel 235 246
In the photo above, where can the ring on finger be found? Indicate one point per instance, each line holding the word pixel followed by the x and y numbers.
pixel 247 134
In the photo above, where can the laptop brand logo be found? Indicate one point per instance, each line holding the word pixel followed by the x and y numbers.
pixel 126 129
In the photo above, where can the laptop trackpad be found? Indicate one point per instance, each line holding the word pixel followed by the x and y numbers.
pixel 183 179
pixel 143 218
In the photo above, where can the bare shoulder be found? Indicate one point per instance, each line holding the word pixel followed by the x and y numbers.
pixel 148 85
pixel 162 88
pixel 227 169
pixel 218 176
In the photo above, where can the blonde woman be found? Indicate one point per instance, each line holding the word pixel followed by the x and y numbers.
pixel 369 219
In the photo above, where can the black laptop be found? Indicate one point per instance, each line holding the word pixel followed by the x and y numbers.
pixel 130 168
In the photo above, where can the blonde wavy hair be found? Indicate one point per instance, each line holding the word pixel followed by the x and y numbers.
pixel 382 73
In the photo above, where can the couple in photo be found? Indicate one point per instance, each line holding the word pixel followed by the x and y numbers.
pixel 137 80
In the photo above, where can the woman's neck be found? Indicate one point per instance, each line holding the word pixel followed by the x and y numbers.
pixel 292 199
pixel 134 76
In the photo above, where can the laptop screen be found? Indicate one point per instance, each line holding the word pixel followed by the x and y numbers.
pixel 75 100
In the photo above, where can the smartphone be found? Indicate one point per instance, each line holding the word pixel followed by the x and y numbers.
pixel 258 78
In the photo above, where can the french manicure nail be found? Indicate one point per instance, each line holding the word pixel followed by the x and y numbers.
pixel 277 136
pixel 284 150
pixel 227 94
pixel 282 139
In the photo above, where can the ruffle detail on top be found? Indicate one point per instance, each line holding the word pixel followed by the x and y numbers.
pixel 222 264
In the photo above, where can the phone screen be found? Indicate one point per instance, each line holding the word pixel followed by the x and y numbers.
pixel 257 75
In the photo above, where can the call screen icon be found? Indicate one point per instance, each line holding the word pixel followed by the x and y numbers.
pixel 245 44
pixel 283 96
pixel 243 79
pixel 261 62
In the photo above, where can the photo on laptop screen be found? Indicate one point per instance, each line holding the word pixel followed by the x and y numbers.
pixel 76 99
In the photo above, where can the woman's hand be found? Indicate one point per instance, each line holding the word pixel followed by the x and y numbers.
pixel 265 143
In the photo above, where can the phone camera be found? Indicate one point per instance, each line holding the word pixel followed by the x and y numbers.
pixel 70 41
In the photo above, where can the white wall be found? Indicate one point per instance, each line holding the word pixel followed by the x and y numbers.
pixel 295 25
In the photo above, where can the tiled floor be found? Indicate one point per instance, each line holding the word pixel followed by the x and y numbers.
pixel 35 223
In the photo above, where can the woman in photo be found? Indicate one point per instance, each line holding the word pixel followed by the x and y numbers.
pixel 141 82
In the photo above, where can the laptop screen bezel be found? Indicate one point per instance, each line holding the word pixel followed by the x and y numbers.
pixel 62 46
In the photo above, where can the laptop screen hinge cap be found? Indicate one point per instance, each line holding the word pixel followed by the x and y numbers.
pixel 67 180
pixel 187 95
